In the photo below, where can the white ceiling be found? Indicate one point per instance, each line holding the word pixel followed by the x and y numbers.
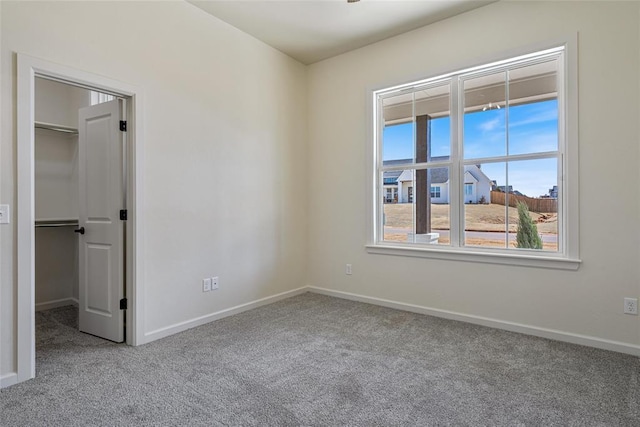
pixel 313 30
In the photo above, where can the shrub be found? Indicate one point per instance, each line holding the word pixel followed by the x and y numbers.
pixel 527 236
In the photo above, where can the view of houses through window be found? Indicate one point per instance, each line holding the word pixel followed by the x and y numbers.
pixel 473 166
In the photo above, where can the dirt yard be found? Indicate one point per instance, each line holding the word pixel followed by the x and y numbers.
pixel 478 218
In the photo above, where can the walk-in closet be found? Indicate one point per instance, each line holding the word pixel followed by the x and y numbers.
pixel 56 192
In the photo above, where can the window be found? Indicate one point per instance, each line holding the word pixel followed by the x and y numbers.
pixel 483 141
pixel 99 97
pixel 468 189
pixel 390 195
pixel 435 192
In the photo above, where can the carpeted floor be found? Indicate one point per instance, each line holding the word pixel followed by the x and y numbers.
pixel 319 361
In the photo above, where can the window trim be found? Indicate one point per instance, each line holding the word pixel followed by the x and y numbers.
pixel 567 183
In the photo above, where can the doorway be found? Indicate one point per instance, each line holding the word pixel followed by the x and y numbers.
pixel 80 205
pixel 100 259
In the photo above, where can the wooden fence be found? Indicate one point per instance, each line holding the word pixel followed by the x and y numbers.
pixel 534 205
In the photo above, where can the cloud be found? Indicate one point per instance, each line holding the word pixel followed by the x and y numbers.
pixel 489 125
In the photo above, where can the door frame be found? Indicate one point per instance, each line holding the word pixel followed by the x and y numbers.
pixel 28 68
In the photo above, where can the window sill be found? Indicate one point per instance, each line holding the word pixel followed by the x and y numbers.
pixel 467 255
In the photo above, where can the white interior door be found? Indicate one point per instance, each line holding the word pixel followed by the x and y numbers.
pixel 101 263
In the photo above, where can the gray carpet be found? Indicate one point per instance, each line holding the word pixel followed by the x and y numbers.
pixel 318 361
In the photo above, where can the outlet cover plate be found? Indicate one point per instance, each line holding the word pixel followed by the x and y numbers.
pixel 206 284
pixel 4 214
pixel 631 306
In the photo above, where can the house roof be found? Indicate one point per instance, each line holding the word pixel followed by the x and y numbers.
pixel 407 175
pixel 438 175
pixel 390 177
pixel 477 173
pixel 469 177
pixel 397 162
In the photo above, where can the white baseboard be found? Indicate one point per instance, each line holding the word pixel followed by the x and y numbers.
pixel 48 305
pixel 8 379
pixel 198 321
pixel 552 334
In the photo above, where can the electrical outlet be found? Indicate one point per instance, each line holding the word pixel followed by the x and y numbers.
pixel 631 306
pixel 348 269
pixel 4 214
pixel 206 284
pixel 214 283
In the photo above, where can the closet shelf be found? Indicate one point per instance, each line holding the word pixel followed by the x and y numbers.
pixel 56 223
pixel 56 128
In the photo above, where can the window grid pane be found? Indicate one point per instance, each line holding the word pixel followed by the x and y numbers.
pixel 503 114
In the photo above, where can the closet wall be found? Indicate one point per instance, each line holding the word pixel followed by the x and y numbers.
pixel 56 192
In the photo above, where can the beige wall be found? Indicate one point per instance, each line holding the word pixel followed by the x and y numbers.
pixel 218 105
pixel 585 302
pixel 56 266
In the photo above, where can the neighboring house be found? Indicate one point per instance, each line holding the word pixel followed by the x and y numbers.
pixel 503 189
pixel 477 185
pixel 398 185
pixel 390 182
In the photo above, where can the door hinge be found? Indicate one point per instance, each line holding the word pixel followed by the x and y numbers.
pixel 123 304
pixel 123 125
pixel 123 214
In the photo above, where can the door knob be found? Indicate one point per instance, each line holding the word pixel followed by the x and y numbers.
pixel 79 230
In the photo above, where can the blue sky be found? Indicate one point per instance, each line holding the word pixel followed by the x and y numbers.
pixel 533 128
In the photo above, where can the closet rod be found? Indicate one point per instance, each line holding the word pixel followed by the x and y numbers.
pixel 59 223
pixel 57 128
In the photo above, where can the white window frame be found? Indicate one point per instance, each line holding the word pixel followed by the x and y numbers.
pixel 567 256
